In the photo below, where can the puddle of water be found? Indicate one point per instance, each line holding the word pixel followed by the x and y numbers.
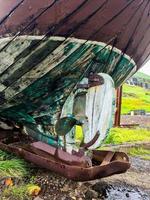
pixel 119 192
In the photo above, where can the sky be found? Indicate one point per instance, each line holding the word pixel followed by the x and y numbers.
pixel 146 68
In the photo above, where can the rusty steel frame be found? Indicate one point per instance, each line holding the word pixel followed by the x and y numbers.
pixel 118 106
pixel 109 162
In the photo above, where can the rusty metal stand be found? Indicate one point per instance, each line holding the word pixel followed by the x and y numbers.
pixel 118 107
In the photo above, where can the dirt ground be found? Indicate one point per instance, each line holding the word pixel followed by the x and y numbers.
pixel 142 120
pixel 133 185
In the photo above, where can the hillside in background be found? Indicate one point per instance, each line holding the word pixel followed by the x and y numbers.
pixel 140 79
pixel 135 97
pixel 141 75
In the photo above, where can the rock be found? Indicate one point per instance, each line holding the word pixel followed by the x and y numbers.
pixel 127 195
pixel 101 188
pixel 65 188
pixel 37 198
pixel 74 198
pixel 76 192
pixel 91 194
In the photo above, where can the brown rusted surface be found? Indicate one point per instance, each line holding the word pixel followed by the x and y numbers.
pixel 130 125
pixel 108 158
pixel 116 163
pixel 118 106
pixel 82 161
pixel 95 79
pixel 127 20
pixel 91 142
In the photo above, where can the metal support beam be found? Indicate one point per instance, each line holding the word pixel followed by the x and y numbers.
pixel 118 106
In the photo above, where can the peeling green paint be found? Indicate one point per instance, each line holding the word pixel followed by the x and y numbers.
pixel 40 99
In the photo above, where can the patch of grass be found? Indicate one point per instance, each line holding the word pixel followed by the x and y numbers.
pixel 16 193
pixel 13 168
pixel 123 135
pixel 135 98
pixel 130 103
pixel 4 155
pixel 145 157
pixel 141 152
pixel 21 192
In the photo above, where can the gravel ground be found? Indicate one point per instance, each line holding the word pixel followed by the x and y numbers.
pixel 133 185
pixel 142 120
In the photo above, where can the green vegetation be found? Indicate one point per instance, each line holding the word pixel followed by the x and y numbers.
pixel 4 155
pixel 13 168
pixel 122 135
pixel 135 98
pixel 21 192
pixel 16 193
pixel 125 135
pixel 141 75
pixel 10 166
pixel 140 152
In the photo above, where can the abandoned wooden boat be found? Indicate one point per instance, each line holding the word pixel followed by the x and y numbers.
pixel 60 61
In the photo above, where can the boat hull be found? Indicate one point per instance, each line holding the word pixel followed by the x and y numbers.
pixel 96 20
pixel 39 83
pixel 38 70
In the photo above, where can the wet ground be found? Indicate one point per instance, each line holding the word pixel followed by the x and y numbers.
pixel 133 185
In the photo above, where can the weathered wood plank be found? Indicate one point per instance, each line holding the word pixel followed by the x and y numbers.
pixel 43 89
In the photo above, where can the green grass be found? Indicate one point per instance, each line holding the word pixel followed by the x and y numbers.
pixel 135 98
pixel 123 135
pixel 4 155
pixel 16 193
pixel 20 192
pixel 145 157
pixel 10 166
pixel 140 152
pixel 13 168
